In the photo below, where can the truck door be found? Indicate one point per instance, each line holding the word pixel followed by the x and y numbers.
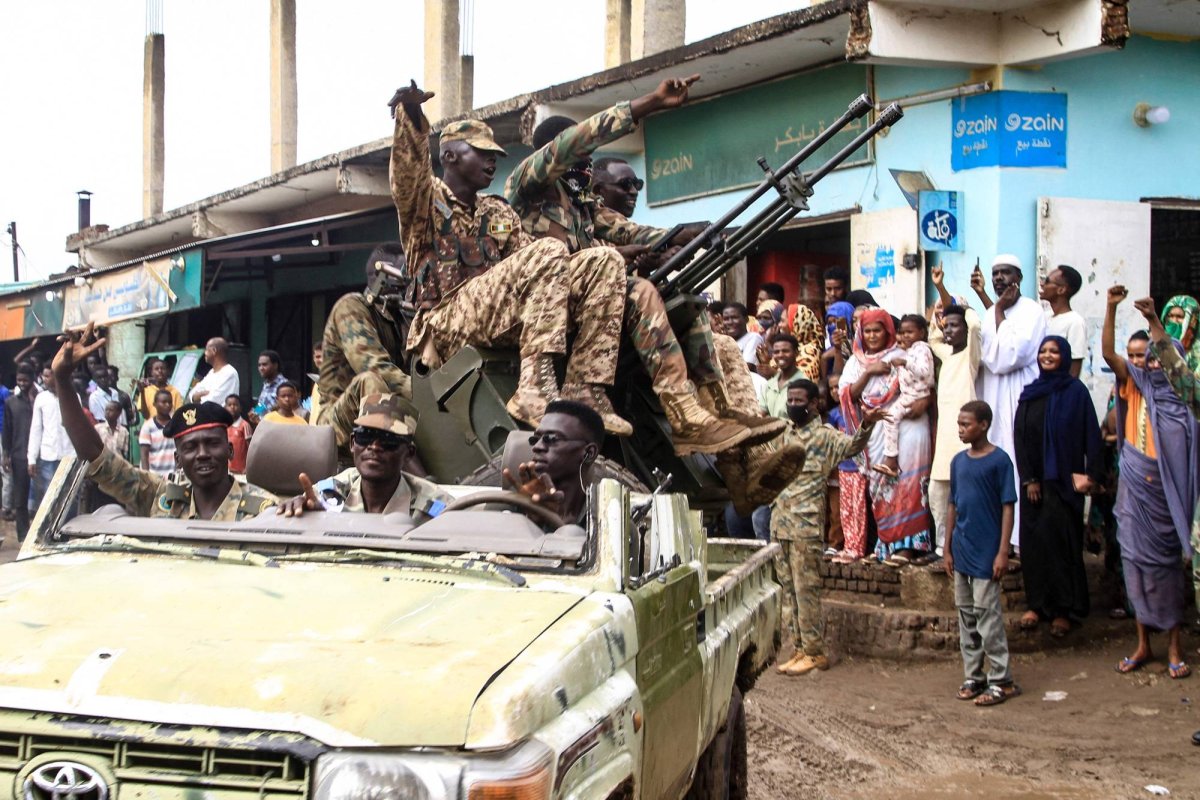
pixel 669 669
pixel 1108 242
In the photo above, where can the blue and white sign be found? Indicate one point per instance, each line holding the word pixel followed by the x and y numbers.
pixel 939 220
pixel 1009 129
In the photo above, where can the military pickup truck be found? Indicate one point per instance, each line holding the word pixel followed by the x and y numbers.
pixel 348 656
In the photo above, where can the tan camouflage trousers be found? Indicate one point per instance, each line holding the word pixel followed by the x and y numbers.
pixel 596 279
pixel 520 301
pixel 798 570
pixel 739 387
pixel 668 360
pixel 342 412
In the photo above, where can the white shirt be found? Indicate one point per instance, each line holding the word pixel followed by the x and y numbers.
pixel 220 383
pixel 47 436
pixel 748 344
pixel 1009 361
pixel 1070 326
pixel 99 399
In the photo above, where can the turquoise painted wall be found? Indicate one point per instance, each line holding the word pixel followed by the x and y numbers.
pixel 1108 157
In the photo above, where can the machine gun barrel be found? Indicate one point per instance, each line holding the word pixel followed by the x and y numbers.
pixel 693 273
pixel 712 264
pixel 709 238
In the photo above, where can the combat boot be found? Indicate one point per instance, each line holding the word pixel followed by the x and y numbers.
pixel 694 429
pixel 594 396
pixel 762 428
pixel 755 475
pixel 536 387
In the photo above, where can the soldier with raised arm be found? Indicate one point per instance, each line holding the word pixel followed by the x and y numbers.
pixel 202 453
pixel 551 190
pixel 479 279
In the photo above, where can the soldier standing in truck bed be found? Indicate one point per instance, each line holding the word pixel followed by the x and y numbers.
pixel 363 346
pixel 478 279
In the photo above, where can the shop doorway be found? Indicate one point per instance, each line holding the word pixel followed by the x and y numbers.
pixel 796 257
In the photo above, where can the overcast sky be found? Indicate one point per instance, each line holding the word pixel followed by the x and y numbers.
pixel 73 92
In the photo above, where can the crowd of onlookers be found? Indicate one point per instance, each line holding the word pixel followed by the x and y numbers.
pixel 33 440
pixel 989 456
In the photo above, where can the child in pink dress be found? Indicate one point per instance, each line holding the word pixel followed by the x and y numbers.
pixel 915 372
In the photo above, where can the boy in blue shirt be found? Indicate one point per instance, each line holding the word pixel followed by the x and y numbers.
pixel 979 523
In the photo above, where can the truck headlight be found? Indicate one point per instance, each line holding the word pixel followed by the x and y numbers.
pixel 522 773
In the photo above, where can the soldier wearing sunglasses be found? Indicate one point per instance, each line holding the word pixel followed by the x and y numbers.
pixel 382 446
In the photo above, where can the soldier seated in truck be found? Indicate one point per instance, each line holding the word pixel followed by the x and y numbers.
pixel 202 453
pixel 363 345
pixel 564 447
pixel 380 482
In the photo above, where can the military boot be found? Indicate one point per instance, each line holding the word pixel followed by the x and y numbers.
pixel 755 475
pixel 762 428
pixel 694 429
pixel 536 387
pixel 594 396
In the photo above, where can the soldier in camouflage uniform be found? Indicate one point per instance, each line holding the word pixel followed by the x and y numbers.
pixel 478 278
pixel 798 521
pixel 202 452
pixel 551 191
pixel 363 346
pixel 382 446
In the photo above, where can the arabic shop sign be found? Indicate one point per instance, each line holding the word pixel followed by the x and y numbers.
pixel 939 220
pixel 710 146
pixel 156 286
pixel 1009 129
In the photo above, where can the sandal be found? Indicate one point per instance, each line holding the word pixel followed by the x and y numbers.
pixel 1029 620
pixel 1118 613
pixel 971 689
pixel 882 470
pixel 996 694
pixel 1128 665
pixel 1178 671
pixel 1060 627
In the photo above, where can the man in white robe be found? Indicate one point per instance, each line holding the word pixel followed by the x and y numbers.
pixel 1012 332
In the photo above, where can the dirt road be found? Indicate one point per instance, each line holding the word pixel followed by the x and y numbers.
pixel 886 731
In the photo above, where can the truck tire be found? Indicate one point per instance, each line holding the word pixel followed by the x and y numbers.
pixel 489 474
pixel 721 771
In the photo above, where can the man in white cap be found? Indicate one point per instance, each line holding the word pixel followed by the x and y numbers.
pixel 1012 332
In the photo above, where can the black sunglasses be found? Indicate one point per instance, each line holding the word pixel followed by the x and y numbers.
pixel 551 439
pixel 365 437
pixel 631 184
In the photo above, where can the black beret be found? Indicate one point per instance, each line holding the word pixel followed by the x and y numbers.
pixel 197 417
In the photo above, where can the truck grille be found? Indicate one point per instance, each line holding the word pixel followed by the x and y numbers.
pixel 259 773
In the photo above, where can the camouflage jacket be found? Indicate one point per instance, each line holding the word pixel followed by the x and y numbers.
pixel 149 495
pixel 413 496
pixel 1186 386
pixel 800 508
pixel 549 208
pixel 360 337
pixel 446 241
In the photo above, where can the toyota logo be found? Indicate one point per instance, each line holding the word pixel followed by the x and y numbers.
pixel 65 780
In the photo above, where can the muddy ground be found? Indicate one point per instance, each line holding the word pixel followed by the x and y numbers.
pixel 892 731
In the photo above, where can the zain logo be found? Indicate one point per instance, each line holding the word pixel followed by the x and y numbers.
pixel 65 780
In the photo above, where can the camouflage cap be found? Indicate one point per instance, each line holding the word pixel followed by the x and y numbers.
pixel 387 412
pixel 473 132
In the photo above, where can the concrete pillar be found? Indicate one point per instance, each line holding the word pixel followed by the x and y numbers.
pixel 655 26
pixel 443 63
pixel 283 84
pixel 154 76
pixel 616 32
pixel 467 83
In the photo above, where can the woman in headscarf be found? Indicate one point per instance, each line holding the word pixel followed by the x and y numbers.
pixel 1159 443
pixel 899 504
pixel 810 336
pixel 1058 454
pixel 838 317
pixel 1180 317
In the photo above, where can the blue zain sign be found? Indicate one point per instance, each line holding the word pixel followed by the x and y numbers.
pixel 1010 129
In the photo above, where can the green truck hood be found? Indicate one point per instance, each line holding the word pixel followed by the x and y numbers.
pixel 348 655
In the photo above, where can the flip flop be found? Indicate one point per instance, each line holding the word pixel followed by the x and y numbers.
pixel 971 689
pixel 882 470
pixel 995 694
pixel 1128 665
pixel 1178 671
pixel 1059 631
pixel 1029 621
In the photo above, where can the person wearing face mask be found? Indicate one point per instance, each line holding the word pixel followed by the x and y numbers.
pixel 363 345
pixel 1159 442
pixel 1181 322
pixel 798 520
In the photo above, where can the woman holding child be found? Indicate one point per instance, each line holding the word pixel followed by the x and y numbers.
pixel 899 502
pixel 1058 456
